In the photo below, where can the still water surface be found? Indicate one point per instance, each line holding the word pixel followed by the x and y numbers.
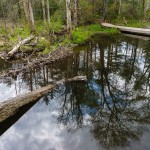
pixel 109 111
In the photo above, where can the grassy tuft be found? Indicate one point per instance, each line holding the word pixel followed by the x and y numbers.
pixel 82 34
pixel 132 23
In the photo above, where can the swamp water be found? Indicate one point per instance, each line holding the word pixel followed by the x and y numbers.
pixel 109 111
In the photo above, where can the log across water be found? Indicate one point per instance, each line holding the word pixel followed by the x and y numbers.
pixel 19 105
pixel 138 31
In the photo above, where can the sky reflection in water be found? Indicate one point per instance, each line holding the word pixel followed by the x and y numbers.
pixel 110 111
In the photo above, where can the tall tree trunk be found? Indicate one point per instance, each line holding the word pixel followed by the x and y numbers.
pixel 48 12
pixel 4 19
pixel 104 9
pixel 133 6
pixel 120 3
pixel 29 14
pixel 19 10
pixel 68 11
pixel 44 12
pixel 75 12
pixel 143 9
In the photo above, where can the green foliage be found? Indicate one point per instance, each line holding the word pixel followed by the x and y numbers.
pixel 138 24
pixel 13 35
pixel 44 41
pixel 19 33
pixel 82 34
pixel 88 12
pixel 56 26
pixel 44 44
pixel 46 51
pixel 66 41
pixel 2 30
pixel 131 23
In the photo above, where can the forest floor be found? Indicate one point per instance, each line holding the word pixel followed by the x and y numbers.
pixel 54 36
pixel 47 46
pixel 46 40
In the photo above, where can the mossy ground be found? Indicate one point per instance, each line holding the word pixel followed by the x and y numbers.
pixel 48 40
pixel 82 34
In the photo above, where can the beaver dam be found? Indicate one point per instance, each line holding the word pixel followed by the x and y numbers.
pixel 98 97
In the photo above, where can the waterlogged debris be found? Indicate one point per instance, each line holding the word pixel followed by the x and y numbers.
pixel 59 54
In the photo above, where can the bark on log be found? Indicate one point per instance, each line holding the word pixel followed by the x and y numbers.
pixel 10 107
pixel 16 48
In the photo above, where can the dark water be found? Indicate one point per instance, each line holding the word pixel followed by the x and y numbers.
pixel 109 111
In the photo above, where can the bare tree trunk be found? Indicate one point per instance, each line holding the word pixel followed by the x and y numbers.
pixel 75 12
pixel 4 19
pixel 29 14
pixel 44 12
pixel 120 3
pixel 104 10
pixel 143 9
pixel 19 10
pixel 133 8
pixel 48 12
pixel 68 17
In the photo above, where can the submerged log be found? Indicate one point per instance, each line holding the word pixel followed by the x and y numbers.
pixel 16 48
pixel 11 107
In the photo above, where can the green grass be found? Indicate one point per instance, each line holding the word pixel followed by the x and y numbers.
pixel 79 35
pixel 131 23
pixel 55 26
pixel 138 24
pixel 19 33
pixel 82 34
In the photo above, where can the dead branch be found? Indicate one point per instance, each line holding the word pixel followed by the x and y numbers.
pixel 16 48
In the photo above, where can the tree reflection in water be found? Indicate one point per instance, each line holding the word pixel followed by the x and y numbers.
pixel 114 102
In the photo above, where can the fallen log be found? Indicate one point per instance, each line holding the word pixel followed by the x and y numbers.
pixel 12 106
pixel 16 48
pixel 137 31
pixel 6 124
